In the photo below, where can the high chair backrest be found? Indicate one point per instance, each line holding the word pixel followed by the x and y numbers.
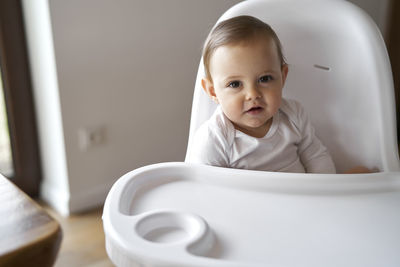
pixel 338 69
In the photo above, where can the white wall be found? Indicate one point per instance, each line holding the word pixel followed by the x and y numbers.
pixel 126 66
pixel 378 10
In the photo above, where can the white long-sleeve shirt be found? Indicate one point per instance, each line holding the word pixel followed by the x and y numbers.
pixel 289 146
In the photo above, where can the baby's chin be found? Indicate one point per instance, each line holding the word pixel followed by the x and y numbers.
pixel 258 127
pixel 253 125
pixel 258 122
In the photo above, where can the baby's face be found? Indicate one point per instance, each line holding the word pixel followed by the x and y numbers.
pixel 247 81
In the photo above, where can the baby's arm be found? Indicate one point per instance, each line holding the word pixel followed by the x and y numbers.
pixel 316 158
pixel 313 154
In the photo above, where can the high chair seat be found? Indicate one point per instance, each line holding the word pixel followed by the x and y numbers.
pixel 181 214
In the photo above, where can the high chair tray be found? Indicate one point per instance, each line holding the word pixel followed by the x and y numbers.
pixel 177 214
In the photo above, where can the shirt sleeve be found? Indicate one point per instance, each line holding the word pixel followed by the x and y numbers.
pixel 208 147
pixel 313 154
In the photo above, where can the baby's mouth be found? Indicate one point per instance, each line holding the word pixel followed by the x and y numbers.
pixel 254 110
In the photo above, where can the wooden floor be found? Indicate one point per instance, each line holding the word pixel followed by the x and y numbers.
pixel 83 240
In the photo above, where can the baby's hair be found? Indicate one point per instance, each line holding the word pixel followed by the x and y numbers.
pixel 237 30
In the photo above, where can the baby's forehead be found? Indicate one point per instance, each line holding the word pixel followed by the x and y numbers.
pixel 245 58
pixel 267 42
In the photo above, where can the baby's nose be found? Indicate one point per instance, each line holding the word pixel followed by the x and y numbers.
pixel 252 92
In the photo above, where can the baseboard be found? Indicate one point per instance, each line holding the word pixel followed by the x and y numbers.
pixel 88 199
pixel 56 197
pixel 67 203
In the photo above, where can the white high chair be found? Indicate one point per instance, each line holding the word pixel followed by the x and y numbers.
pixel 178 214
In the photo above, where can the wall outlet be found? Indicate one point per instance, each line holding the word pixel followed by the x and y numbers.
pixel 90 137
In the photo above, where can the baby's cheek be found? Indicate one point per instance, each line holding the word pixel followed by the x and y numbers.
pixel 275 99
pixel 231 103
pixel 232 111
pixel 229 111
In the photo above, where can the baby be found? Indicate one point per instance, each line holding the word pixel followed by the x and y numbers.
pixel 254 127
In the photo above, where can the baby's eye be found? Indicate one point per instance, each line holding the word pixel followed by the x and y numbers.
pixel 265 79
pixel 234 84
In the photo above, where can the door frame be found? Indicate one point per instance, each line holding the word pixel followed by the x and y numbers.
pixel 19 98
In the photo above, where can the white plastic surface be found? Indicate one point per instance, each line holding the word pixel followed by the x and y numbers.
pixel 177 214
pixel 210 216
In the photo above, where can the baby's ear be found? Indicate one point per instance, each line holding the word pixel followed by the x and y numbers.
pixel 208 87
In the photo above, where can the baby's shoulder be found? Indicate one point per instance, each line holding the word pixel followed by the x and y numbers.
pixel 217 129
pixel 294 111
pixel 211 143
pixel 291 107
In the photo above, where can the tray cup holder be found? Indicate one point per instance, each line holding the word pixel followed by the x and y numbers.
pixel 169 227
